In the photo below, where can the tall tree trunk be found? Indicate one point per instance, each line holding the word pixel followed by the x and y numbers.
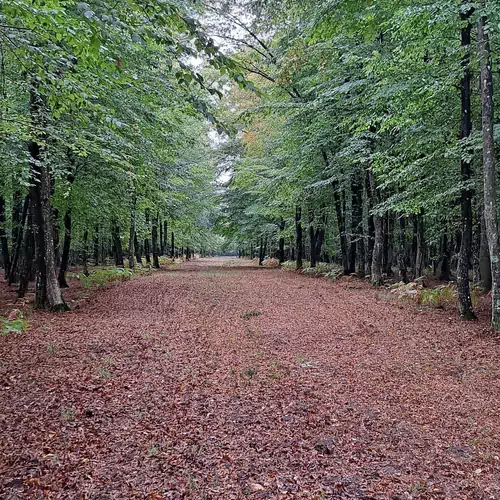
pixel 298 232
pixel 357 230
pixel 117 243
pixel 172 245
pixel 161 245
pixel 3 239
pixel 165 237
pixel 402 249
pixel 341 226
pixel 464 256
pixel 312 238
pixel 54 296
pixel 132 237
pixel 371 227
pixel 445 258
pixel 282 242
pixel 47 291
pixel 85 256
pixel 66 248
pixel 137 249
pixel 484 259
pixel 18 244
pixel 378 247
pixel 26 256
pixel 489 173
pixel 154 240
pixel 387 245
pixel 419 245
pixel 96 245
pixel 147 248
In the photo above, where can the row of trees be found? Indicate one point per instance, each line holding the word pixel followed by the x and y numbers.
pixel 104 113
pixel 372 141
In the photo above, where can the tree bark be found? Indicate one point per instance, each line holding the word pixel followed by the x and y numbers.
pixel 18 244
pixel 117 243
pixel 172 245
pixel 96 246
pixel 378 247
pixel 3 239
pixel 402 249
pixel 137 249
pixel 341 226
pixel 419 245
pixel 312 238
pixel 27 255
pixel 464 256
pixel 66 248
pixel 489 173
pixel 298 233
pixel 357 230
pixel 282 242
pixel 484 260
pixel 55 300
pixel 132 238
pixel 85 257
pixel 147 247
pixel 154 240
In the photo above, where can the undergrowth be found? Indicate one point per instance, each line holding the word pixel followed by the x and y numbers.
pixel 102 277
pixel 8 326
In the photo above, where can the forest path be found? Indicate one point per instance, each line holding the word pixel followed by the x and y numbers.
pixel 220 380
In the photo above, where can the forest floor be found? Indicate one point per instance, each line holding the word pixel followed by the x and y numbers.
pixel 224 381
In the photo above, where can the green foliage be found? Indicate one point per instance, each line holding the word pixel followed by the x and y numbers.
pixel 103 277
pixel 13 326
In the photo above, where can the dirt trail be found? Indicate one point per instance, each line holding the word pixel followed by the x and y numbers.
pixel 219 381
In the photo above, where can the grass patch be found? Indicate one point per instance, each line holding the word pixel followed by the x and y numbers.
pixel 9 326
pixel 102 277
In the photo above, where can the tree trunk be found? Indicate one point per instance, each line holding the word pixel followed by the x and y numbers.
pixel 55 300
pixel 132 238
pixel 147 248
pixel 378 247
pixel 161 245
pixel 96 246
pixel 165 237
pixel 370 237
pixel 357 230
pixel 463 287
pixel 298 232
pixel 444 274
pixel 154 240
pixel 18 244
pixel 402 249
pixel 419 246
pixel 489 173
pixel 26 257
pixel 18 221
pixel 85 257
pixel 282 242
pixel 387 245
pixel 3 239
pixel 484 260
pixel 341 226
pixel 312 238
pixel 66 248
pixel 172 245
pixel 137 249
pixel 117 243
pixel 47 291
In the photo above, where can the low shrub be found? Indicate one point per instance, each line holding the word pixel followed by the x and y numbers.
pixel 271 263
pixel 103 277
